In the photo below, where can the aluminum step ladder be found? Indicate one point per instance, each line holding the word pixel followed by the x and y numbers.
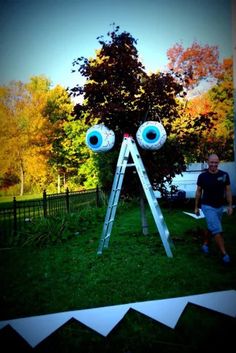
pixel 128 148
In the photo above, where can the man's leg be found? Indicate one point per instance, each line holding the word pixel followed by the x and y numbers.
pixel 206 236
pixel 220 243
pixel 213 219
pixel 206 241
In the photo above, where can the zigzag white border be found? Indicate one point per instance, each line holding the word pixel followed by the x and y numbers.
pixel 35 329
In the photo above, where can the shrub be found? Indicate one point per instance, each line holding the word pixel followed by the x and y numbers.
pixel 57 229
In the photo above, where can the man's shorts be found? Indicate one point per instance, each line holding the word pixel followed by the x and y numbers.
pixel 213 218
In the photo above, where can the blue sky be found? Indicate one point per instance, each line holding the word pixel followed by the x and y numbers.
pixel 44 37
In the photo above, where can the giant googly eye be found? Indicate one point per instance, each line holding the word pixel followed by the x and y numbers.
pixel 151 135
pixel 99 138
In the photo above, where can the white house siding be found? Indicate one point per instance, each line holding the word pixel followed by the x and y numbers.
pixel 188 180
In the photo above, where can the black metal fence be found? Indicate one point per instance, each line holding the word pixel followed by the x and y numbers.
pixel 18 213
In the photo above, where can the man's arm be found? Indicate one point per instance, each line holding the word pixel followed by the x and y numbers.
pixel 198 195
pixel 229 199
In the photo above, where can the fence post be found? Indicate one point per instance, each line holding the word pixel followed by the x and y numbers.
pixel 14 216
pixel 45 212
pixel 67 201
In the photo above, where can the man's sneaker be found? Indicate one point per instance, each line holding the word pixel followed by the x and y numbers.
pixel 205 249
pixel 226 259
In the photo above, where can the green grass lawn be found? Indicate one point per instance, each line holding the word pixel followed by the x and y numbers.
pixel 71 276
pixel 6 201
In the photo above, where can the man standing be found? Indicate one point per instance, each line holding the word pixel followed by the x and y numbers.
pixel 213 187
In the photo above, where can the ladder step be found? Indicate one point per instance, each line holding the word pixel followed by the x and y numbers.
pixel 115 204
pixel 110 221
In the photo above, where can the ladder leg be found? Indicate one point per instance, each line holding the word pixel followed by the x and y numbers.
pixel 110 214
pixel 156 211
pixel 114 197
pixel 143 214
pixel 162 228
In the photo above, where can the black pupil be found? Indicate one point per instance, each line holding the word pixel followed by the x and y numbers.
pixel 151 135
pixel 93 140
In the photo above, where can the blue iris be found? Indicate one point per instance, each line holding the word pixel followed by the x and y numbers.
pixel 94 139
pixel 151 134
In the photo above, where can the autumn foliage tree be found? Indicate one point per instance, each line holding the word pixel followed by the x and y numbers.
pixel 22 136
pixel 32 118
pixel 194 64
pixel 221 98
pixel 119 93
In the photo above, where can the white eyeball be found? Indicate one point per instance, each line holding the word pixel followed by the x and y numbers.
pixel 99 138
pixel 151 135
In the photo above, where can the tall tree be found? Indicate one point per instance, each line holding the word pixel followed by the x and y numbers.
pixel 193 67
pixel 57 109
pixel 32 117
pixel 24 134
pixel 79 160
pixel 120 94
pixel 221 97
pixel 9 174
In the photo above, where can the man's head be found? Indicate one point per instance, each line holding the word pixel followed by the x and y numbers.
pixel 213 162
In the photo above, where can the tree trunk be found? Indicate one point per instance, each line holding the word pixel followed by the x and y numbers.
pixel 22 178
pixel 143 215
pixel 64 181
pixel 58 183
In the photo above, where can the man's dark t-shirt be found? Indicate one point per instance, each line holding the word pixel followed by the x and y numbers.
pixel 213 186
